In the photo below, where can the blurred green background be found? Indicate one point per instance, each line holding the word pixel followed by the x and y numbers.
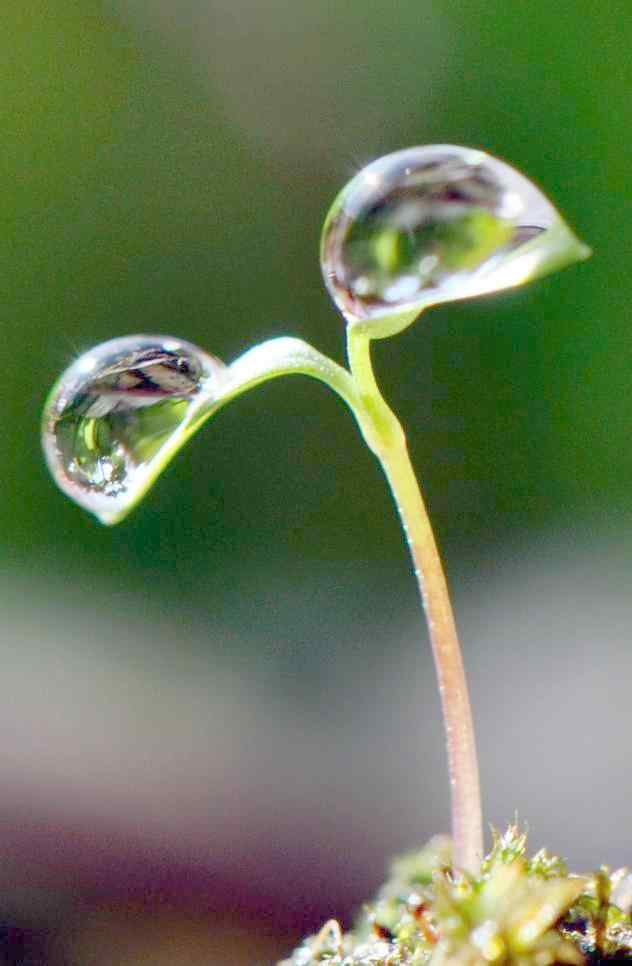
pixel 218 715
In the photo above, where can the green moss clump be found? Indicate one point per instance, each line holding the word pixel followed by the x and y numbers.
pixel 520 911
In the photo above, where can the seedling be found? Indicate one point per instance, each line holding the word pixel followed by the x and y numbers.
pixel 417 228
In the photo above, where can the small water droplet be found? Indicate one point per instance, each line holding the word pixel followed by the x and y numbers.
pixel 120 412
pixel 433 224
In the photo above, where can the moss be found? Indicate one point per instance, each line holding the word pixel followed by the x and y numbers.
pixel 520 911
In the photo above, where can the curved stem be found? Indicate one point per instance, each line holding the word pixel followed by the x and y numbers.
pixel 284 356
pixel 386 438
pixel 268 360
pixel 384 435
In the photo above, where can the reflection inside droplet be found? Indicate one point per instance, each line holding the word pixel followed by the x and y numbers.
pixel 118 414
pixel 432 224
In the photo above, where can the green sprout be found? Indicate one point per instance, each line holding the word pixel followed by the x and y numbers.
pixel 417 228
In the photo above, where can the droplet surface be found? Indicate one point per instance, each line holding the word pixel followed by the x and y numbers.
pixel 120 412
pixel 432 224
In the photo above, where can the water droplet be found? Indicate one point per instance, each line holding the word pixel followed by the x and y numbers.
pixel 433 224
pixel 120 412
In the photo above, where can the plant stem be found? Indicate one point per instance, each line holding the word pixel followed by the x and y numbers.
pixel 386 438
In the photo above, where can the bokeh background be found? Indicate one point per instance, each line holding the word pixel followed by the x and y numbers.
pixel 219 720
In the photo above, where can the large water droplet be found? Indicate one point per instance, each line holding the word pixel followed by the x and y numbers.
pixel 433 224
pixel 118 415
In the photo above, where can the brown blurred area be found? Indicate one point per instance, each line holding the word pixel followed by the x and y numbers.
pixel 198 817
pixel 131 935
pixel 128 934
